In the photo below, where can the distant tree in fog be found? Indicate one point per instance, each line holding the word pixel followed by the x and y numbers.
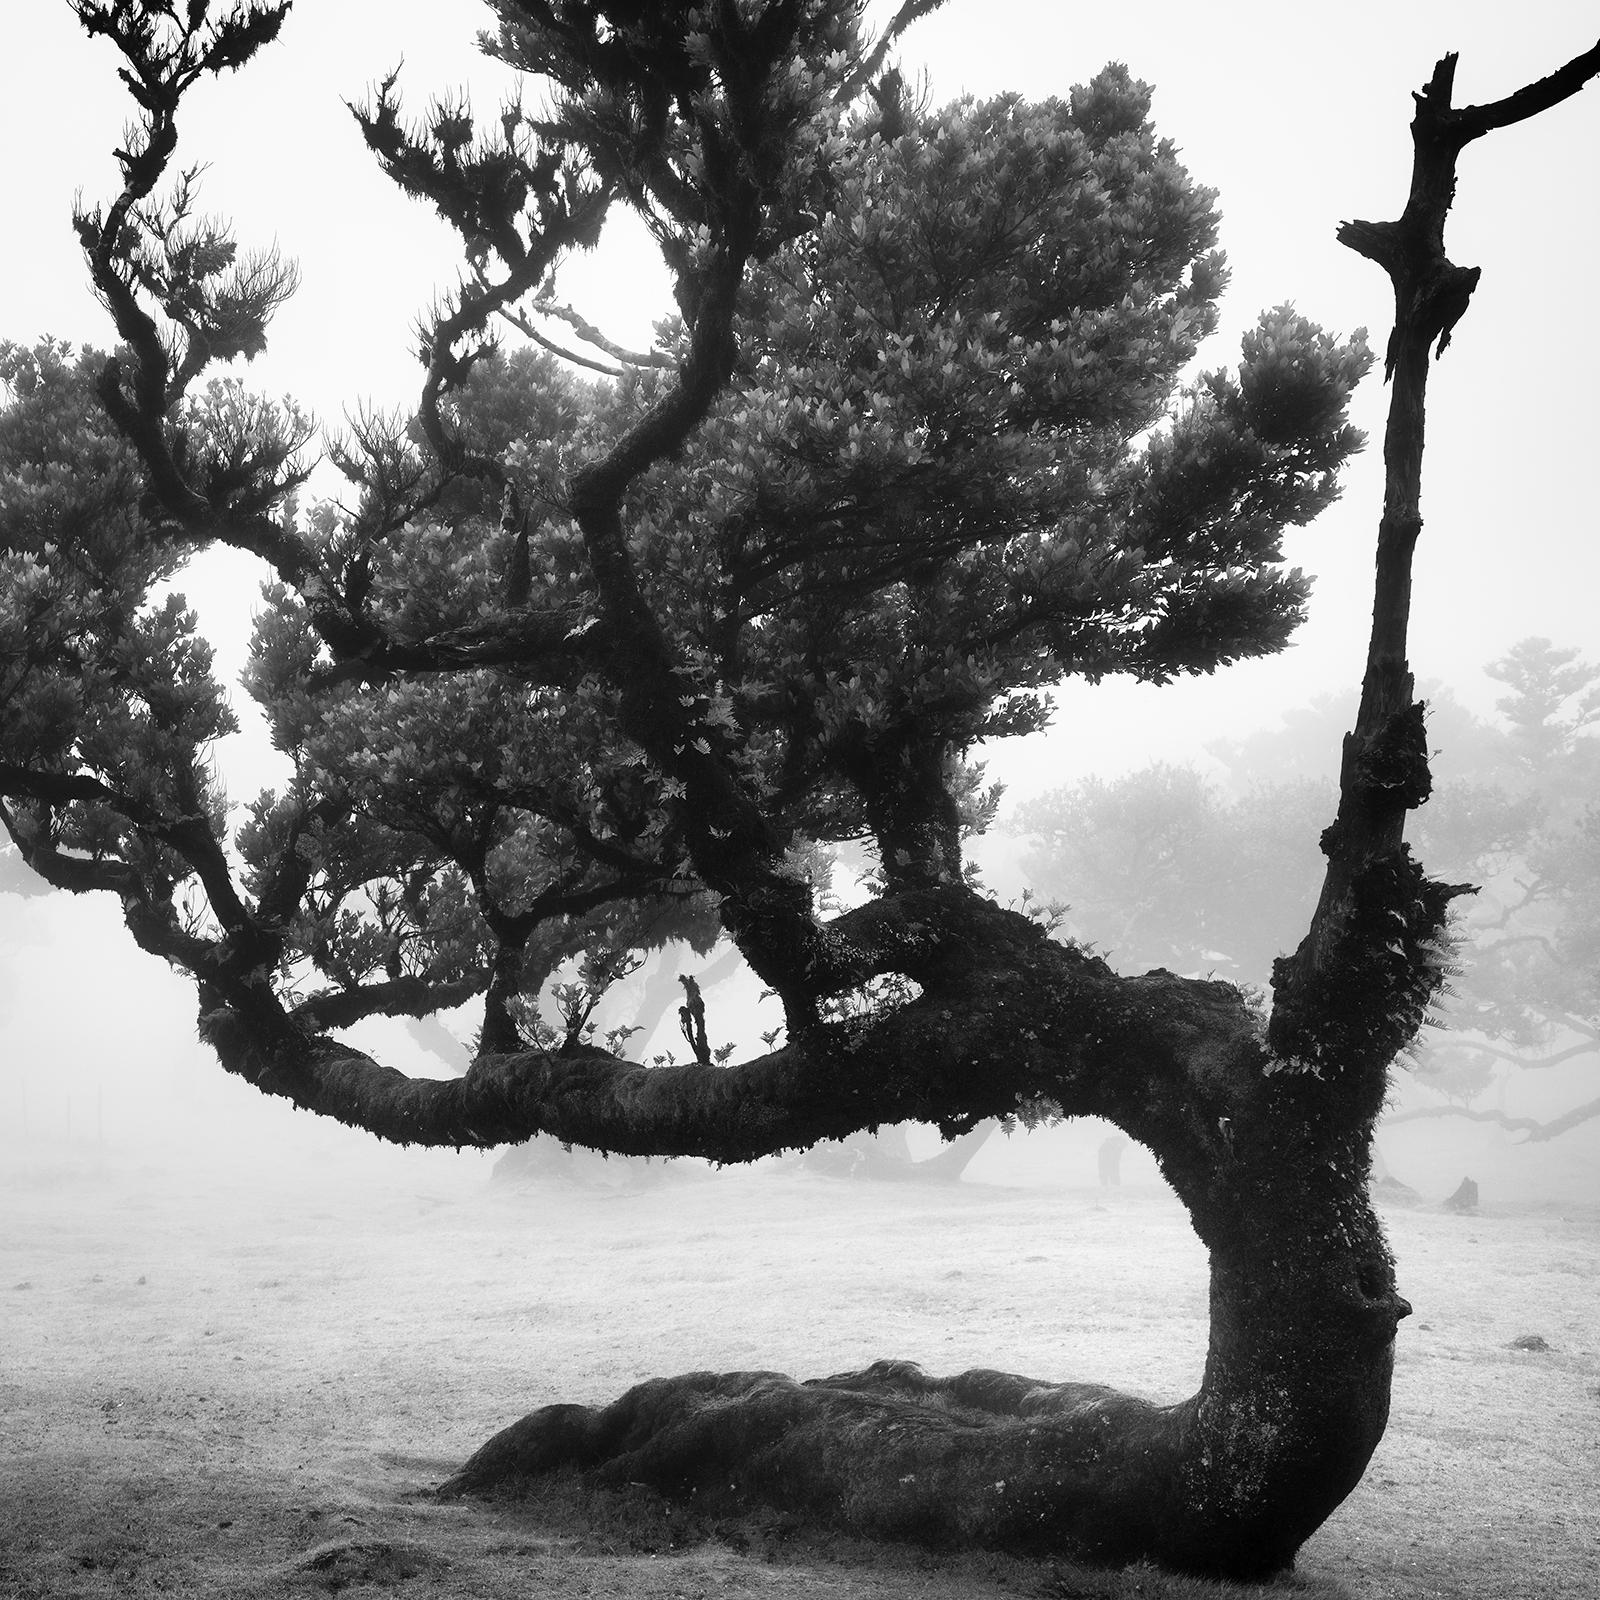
pixel 575 656
pixel 1163 868
pixel 1525 823
pixel 1166 867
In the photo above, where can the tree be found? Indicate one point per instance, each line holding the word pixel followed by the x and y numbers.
pixel 1162 867
pixel 1170 869
pixel 917 443
pixel 1529 997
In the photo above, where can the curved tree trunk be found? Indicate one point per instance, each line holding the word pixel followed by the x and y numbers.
pixel 1232 1481
pixel 1273 1166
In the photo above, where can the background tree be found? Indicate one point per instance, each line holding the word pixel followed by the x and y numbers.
pixel 1165 867
pixel 1525 815
pixel 917 444
pixel 1170 868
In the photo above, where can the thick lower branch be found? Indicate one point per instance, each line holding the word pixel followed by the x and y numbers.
pixel 552 646
pixel 399 997
pixel 1176 1062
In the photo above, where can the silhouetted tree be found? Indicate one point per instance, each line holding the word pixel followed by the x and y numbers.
pixel 915 446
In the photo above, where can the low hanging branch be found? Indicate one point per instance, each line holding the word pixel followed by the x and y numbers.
pixel 547 306
pixel 1537 1132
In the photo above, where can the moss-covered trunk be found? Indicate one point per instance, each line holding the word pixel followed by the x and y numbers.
pixel 1295 1396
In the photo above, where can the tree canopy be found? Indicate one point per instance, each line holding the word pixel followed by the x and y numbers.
pixel 948 456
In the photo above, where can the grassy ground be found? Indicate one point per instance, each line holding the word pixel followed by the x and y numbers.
pixel 241 1380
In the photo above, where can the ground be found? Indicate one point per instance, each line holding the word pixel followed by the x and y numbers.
pixel 241 1378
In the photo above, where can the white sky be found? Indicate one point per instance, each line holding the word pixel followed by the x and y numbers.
pixel 1299 121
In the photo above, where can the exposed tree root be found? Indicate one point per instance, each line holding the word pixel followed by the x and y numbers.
pixel 981 1460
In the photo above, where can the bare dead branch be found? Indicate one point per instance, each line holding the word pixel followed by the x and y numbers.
pixel 1472 122
pixel 523 324
pixel 1385 774
pixel 590 334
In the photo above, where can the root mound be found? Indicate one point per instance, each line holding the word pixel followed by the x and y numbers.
pixel 981 1460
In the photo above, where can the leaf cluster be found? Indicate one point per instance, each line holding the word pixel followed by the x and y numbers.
pixel 107 699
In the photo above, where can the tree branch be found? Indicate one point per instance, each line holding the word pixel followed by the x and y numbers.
pixel 551 646
pixel 1537 1132
pixel 525 326
pixel 188 834
pixel 400 997
pixel 1472 122
pixel 146 901
pixel 75 874
pixel 1033 1018
pixel 1384 774
pixel 590 334
pixel 447 370
pixel 1537 1063
pixel 910 11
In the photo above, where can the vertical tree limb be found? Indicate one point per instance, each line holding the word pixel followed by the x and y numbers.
pixel 1375 901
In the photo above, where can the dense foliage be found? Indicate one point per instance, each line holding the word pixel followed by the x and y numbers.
pixel 954 459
